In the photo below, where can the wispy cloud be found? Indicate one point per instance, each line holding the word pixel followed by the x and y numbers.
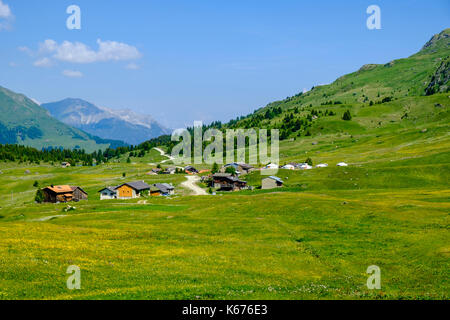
pixel 132 66
pixel 44 62
pixel 6 16
pixel 80 53
pixel 5 11
pixel 26 50
pixel 72 74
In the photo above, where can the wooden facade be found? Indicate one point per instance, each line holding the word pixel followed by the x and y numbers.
pixel 55 194
pixel 131 190
pixel 227 182
pixel 79 194
pixel 125 192
pixel 271 183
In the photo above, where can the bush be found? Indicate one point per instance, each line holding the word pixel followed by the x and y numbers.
pixel 36 184
pixel 231 170
pixel 347 116
pixel 309 161
pixel 39 198
pixel 215 168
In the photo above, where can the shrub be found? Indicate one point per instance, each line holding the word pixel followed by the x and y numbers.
pixel 231 170
pixel 215 168
pixel 347 116
pixel 39 198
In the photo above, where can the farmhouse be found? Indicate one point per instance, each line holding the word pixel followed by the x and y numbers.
pixel 305 166
pixel 65 164
pixel 108 193
pixel 241 168
pixel 271 166
pixel 154 171
pixel 131 190
pixel 271 183
pixel 227 182
pixel 191 170
pixel 55 194
pixel 288 167
pixel 162 189
pixel 79 194
pixel 169 171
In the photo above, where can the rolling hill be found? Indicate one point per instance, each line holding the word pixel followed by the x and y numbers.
pixel 122 125
pixel 423 74
pixel 24 122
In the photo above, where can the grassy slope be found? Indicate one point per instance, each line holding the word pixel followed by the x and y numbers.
pixel 18 110
pixel 313 239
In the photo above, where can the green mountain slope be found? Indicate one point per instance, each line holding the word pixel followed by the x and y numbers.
pixel 390 105
pixel 24 122
pixel 409 77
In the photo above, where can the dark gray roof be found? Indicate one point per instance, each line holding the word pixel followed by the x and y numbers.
pixel 112 189
pixel 222 175
pixel 164 187
pixel 137 185
pixel 227 176
pixel 237 164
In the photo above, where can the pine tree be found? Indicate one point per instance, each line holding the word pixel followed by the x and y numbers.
pixel 39 198
pixel 347 116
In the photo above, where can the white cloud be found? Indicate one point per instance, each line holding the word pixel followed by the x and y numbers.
pixel 72 74
pixel 77 52
pixel 26 50
pixel 5 11
pixel 6 16
pixel 132 66
pixel 44 62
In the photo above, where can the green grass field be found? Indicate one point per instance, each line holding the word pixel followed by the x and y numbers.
pixel 312 239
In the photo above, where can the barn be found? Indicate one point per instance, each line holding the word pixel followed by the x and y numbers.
pixel 131 190
pixel 271 183
pixel 108 193
pixel 79 194
pixel 55 194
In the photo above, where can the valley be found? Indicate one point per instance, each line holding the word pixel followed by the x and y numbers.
pixel 313 238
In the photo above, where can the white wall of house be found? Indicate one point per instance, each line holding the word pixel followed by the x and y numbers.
pixel 107 195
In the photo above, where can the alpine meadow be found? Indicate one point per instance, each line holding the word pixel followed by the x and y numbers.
pixel 363 180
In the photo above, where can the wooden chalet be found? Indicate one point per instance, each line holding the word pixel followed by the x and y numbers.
pixel 227 182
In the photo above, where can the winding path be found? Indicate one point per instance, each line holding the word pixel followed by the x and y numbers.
pixel 164 155
pixel 191 185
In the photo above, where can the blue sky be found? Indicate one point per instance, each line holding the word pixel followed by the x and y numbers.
pixel 182 61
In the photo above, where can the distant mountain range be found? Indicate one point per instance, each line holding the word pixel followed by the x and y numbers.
pixel 24 122
pixel 124 125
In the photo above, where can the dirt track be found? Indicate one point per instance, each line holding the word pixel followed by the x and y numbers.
pixel 191 185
